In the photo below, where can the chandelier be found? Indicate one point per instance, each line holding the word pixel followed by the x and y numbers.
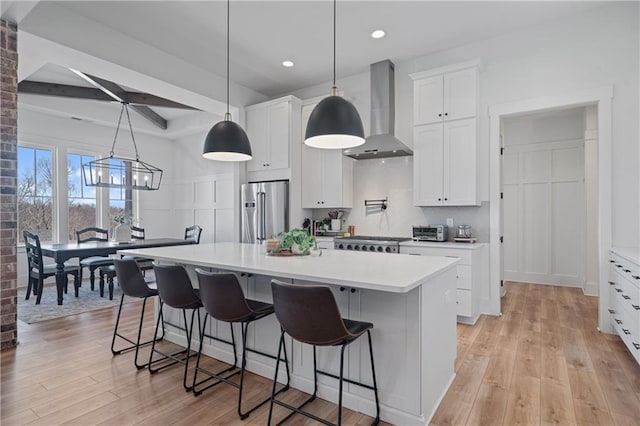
pixel 122 172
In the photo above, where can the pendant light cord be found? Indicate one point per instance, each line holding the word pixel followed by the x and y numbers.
pixel 334 43
pixel 228 115
pixel 115 138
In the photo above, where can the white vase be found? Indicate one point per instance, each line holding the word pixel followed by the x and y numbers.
pixel 122 233
pixel 335 224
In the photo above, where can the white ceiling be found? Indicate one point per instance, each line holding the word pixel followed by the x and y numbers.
pixel 264 33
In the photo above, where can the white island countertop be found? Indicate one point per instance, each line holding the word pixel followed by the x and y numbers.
pixel 396 273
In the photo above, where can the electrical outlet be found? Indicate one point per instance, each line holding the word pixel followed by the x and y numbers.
pixel 450 222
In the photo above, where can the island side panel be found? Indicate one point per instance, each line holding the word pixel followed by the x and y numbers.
pixel 439 344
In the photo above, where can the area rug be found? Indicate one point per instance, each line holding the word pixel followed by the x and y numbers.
pixel 48 308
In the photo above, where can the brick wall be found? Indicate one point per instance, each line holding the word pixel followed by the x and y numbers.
pixel 8 182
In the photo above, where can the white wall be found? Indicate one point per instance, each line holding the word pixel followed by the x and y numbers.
pixel 203 192
pixel 596 49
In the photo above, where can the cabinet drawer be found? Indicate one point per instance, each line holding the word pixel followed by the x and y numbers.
pixel 463 301
pixel 463 255
pixel 463 273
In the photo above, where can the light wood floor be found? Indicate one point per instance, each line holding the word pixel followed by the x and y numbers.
pixel 543 362
pixel 63 373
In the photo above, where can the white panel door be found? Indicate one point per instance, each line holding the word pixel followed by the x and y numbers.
pixel 428 166
pixel 332 178
pixel 544 213
pixel 311 177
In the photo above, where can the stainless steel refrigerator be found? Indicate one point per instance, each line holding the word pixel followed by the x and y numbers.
pixel 265 210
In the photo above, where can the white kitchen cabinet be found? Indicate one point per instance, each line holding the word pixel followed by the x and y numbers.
pixel 445 164
pixel 446 96
pixel 471 271
pixel 327 175
pixel 624 297
pixel 272 129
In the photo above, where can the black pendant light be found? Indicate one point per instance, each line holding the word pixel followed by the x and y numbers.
pixel 334 123
pixel 227 141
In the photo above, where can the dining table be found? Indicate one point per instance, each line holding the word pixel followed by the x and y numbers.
pixel 63 252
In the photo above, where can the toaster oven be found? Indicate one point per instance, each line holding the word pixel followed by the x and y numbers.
pixel 431 233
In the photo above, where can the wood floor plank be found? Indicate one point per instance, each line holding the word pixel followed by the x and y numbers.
pixel 523 403
pixel 556 404
pixel 489 406
pixel 502 362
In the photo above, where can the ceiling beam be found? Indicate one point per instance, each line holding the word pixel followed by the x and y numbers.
pixel 120 95
pixel 81 92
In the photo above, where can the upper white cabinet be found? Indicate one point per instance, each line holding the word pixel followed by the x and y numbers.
pixel 442 97
pixel 444 161
pixel 445 137
pixel 327 175
pixel 272 129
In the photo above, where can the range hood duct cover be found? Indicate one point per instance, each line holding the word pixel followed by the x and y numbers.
pixel 382 142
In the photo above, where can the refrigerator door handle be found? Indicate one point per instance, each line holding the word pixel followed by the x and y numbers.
pixel 262 196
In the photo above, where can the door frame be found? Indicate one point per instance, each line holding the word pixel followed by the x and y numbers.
pixel 602 98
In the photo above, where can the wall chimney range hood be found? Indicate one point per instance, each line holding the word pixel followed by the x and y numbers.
pixel 381 143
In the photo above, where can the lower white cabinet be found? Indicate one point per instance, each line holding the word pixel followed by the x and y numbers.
pixel 624 297
pixel 470 272
pixel 414 337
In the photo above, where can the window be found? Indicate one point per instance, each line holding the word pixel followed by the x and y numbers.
pixel 120 200
pixel 35 192
pixel 82 199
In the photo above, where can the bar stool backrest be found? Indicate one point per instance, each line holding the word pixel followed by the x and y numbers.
pixel 222 296
pixel 174 286
pixel 308 313
pixel 130 278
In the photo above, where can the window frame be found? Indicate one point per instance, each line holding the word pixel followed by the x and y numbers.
pixel 55 219
pixel 60 190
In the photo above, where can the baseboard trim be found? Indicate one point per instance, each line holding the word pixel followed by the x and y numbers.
pixel 591 289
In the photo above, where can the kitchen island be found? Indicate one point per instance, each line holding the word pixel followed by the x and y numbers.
pixel 409 299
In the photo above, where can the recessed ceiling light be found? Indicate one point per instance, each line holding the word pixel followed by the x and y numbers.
pixel 287 64
pixel 378 34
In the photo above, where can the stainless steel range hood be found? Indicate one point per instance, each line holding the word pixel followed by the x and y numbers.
pixel 381 143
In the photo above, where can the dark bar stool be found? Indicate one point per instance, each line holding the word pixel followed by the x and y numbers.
pixel 309 314
pixel 224 300
pixel 174 287
pixel 133 284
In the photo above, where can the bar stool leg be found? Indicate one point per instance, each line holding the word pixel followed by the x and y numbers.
pixel 375 384
pixel 341 383
pixel 273 389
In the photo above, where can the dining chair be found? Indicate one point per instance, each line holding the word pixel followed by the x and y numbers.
pixel 38 271
pixel 224 301
pixel 193 233
pixel 93 262
pixel 310 315
pixel 138 234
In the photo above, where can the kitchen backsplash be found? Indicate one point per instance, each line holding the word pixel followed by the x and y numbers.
pixel 393 178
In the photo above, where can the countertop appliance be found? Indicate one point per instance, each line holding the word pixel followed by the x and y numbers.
pixel 438 233
pixel 265 210
pixel 371 244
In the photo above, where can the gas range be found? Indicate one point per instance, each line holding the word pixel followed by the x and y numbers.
pixel 370 244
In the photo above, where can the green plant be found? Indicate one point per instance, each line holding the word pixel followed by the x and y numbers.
pixel 301 237
pixel 124 219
